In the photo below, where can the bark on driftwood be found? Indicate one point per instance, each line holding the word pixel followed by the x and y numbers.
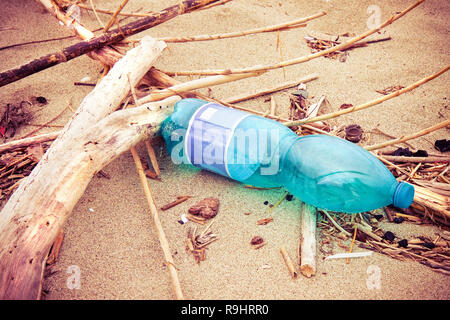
pixel 35 213
pixel 96 43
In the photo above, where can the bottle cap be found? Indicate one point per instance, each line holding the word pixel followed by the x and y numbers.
pixel 403 195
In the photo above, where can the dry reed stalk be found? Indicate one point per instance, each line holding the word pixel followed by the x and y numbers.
pixel 193 85
pixel 308 242
pixel 443 159
pixel 114 16
pixel 383 159
pixel 96 14
pixel 370 103
pixel 161 235
pixel 29 141
pixel 218 3
pixel 127 14
pixel 277 27
pixel 261 92
pixel 335 223
pixel 347 261
pixel 154 212
pixel 152 156
pixel 288 262
pixel 301 59
pixel 413 172
pixel 420 133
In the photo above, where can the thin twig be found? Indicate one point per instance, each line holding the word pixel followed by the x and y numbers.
pixel 347 261
pixel 261 92
pixel 218 3
pixel 158 226
pixel 154 212
pixel 152 156
pixel 96 14
pixel 46 123
pixel 417 159
pixel 35 42
pixel 277 27
pixel 113 18
pixel 335 223
pixel 420 133
pixel 127 14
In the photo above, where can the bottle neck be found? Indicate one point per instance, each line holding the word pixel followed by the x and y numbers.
pixel 286 145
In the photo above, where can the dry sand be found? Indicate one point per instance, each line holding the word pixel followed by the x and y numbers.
pixel 110 235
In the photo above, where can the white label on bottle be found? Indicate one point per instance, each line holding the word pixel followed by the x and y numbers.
pixel 208 136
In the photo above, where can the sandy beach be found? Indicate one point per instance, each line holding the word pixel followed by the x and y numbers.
pixel 110 237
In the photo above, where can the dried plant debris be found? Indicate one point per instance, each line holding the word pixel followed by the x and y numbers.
pixel 197 243
pixel 299 104
pixel 257 242
pixel 390 89
pixel 319 42
pixel 16 165
pixel 12 116
pixel 317 45
pixel 206 208
pixel 434 253
pixel 264 221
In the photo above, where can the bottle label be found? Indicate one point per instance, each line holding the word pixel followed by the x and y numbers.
pixel 208 136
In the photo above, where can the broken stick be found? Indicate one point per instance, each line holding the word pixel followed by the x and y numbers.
pixel 307 240
pixel 289 263
pixel 33 216
pixel 161 235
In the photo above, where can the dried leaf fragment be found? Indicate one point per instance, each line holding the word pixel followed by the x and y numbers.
pixel 206 208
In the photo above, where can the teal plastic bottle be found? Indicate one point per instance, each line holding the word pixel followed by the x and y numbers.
pixel 324 171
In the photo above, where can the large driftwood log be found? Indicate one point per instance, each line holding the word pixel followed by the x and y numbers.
pixel 95 43
pixel 35 213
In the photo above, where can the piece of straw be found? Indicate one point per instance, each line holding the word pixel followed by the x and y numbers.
pixel 420 133
pixel 277 27
pixel 288 262
pixel 113 18
pixel 351 246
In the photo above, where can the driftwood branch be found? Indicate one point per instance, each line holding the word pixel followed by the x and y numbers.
pixel 35 213
pixel 96 43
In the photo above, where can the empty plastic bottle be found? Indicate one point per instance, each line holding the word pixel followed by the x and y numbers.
pixel 323 171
